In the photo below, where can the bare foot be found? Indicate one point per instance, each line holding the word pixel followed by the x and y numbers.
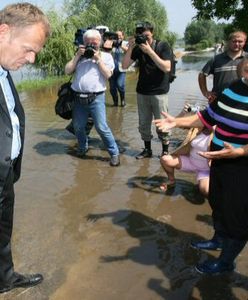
pixel 165 186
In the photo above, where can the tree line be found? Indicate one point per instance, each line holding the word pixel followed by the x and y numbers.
pixel 201 33
pixel 116 14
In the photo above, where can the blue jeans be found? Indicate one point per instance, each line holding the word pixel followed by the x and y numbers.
pixel 98 113
pixel 117 83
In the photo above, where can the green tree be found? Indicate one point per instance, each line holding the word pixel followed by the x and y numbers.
pixel 115 14
pixel 199 30
pixel 59 47
pixel 203 33
pixel 226 9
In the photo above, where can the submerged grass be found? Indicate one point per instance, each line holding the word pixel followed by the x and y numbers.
pixel 39 83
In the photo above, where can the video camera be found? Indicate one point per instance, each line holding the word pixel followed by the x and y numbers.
pixel 110 40
pixel 79 36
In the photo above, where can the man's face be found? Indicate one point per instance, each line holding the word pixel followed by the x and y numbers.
pixel 149 36
pixel 120 35
pixel 237 43
pixel 93 41
pixel 19 46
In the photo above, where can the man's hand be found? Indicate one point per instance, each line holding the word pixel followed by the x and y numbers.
pixel 131 42
pixel 97 55
pixel 80 51
pixel 146 48
pixel 211 96
pixel 227 152
pixel 165 124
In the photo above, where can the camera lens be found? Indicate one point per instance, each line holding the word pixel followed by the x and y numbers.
pixel 140 39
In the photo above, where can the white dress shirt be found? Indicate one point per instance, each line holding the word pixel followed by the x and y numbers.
pixel 9 98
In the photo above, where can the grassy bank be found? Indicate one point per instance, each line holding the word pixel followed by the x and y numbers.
pixel 39 83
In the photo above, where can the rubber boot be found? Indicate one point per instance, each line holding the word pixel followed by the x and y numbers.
pixel 123 101
pixel 147 152
pixel 225 262
pixel 216 243
pixel 115 100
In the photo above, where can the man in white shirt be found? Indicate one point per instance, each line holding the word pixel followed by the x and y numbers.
pixel 92 69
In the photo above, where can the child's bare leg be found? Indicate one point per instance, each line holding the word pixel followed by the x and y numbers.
pixel 204 186
pixel 169 163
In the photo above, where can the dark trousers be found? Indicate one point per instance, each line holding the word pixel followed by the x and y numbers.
pixel 228 198
pixel 7 197
pixel 117 84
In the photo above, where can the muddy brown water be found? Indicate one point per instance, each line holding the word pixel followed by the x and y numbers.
pixel 97 232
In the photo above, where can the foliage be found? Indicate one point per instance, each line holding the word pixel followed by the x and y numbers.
pixel 171 38
pixel 58 49
pixel 116 14
pixel 123 15
pixel 204 33
pixel 226 9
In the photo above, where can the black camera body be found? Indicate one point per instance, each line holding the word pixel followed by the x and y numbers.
pixel 140 39
pixel 89 51
pixel 117 43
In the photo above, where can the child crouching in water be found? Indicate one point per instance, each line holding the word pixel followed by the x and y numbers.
pixel 187 159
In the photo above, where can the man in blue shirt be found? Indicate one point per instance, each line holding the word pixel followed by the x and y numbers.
pixel 23 32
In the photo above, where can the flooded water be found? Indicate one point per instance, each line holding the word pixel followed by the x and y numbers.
pixel 97 232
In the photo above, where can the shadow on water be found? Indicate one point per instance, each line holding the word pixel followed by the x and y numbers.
pixel 151 184
pixel 166 247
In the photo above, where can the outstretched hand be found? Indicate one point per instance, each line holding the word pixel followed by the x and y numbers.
pixel 165 124
pixel 227 152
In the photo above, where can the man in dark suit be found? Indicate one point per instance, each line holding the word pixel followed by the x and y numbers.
pixel 23 31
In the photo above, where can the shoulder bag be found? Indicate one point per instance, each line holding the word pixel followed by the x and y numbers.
pixel 65 101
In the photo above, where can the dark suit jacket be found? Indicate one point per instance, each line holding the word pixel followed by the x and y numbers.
pixel 6 135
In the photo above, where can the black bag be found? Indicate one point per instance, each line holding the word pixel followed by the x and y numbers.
pixel 172 73
pixel 65 101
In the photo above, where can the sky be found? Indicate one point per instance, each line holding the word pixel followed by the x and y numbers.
pixel 179 12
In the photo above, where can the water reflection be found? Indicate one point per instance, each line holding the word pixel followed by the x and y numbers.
pixel 194 61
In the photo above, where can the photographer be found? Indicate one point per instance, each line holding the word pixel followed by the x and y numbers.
pixel 92 68
pixel 154 61
pixel 118 79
